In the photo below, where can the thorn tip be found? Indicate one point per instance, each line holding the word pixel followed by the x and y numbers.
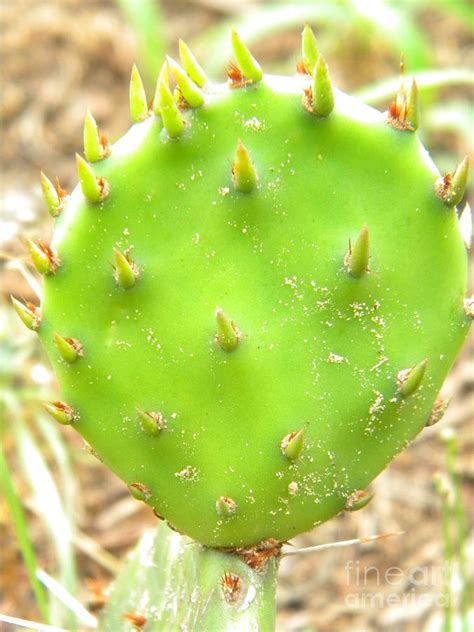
pixel 228 336
pixel 409 380
pixel 244 174
pixel 292 444
pixel 246 62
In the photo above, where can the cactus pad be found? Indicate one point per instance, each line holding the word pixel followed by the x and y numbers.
pixel 252 299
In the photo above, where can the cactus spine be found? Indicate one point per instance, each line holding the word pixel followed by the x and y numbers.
pixel 244 195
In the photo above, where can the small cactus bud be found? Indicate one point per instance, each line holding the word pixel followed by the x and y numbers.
pixel 61 412
pixel 409 380
pixel 138 102
pixel 29 314
pixel 248 65
pixel 162 77
pixel 92 146
pixel 95 147
pixel 228 336
pixel 244 175
pixel 173 121
pixel 309 48
pixel 413 106
pixel 451 188
pixel 404 113
pixel 151 422
pixel 43 257
pixel 70 349
pixel 292 444
pixel 190 91
pixel 191 65
pixel 469 307
pixel 438 411
pixel 94 189
pixel 357 257
pixel 126 272
pixel 322 94
pixel 51 196
pixel 358 500
pixel 225 506
pixel 139 491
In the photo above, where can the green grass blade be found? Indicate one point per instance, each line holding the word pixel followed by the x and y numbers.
pixel 61 453
pixel 145 18
pixel 49 505
pixel 20 525
pixel 429 79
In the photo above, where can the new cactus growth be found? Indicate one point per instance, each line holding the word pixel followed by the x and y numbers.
pixel 244 372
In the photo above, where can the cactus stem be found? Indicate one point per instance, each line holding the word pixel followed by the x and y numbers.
pixel 192 94
pixel 139 491
pixel 191 65
pixel 244 174
pixel 96 146
pixel 451 188
pixel 358 500
pixel 292 444
pixel 437 412
pixel 151 422
pixel 231 587
pixel 126 271
pixel 138 102
pixel 469 307
pixel 248 65
pixel 61 412
pixel 225 506
pixel 172 118
pixel 309 50
pixel 319 98
pixel 357 257
pixel 465 225
pixel 70 349
pixel 43 257
pixel 228 336
pixel 28 313
pixel 52 195
pixel 409 380
pixel 94 189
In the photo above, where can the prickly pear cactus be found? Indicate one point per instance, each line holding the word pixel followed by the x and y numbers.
pixel 252 299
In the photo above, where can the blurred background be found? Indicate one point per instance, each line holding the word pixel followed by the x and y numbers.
pixel 60 57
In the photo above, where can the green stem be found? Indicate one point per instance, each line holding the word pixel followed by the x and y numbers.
pixel 176 584
pixel 20 525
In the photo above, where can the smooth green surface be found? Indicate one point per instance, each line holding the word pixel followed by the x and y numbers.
pixel 318 348
pixel 178 585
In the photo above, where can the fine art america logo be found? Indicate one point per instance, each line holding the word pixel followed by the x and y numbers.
pixel 395 586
